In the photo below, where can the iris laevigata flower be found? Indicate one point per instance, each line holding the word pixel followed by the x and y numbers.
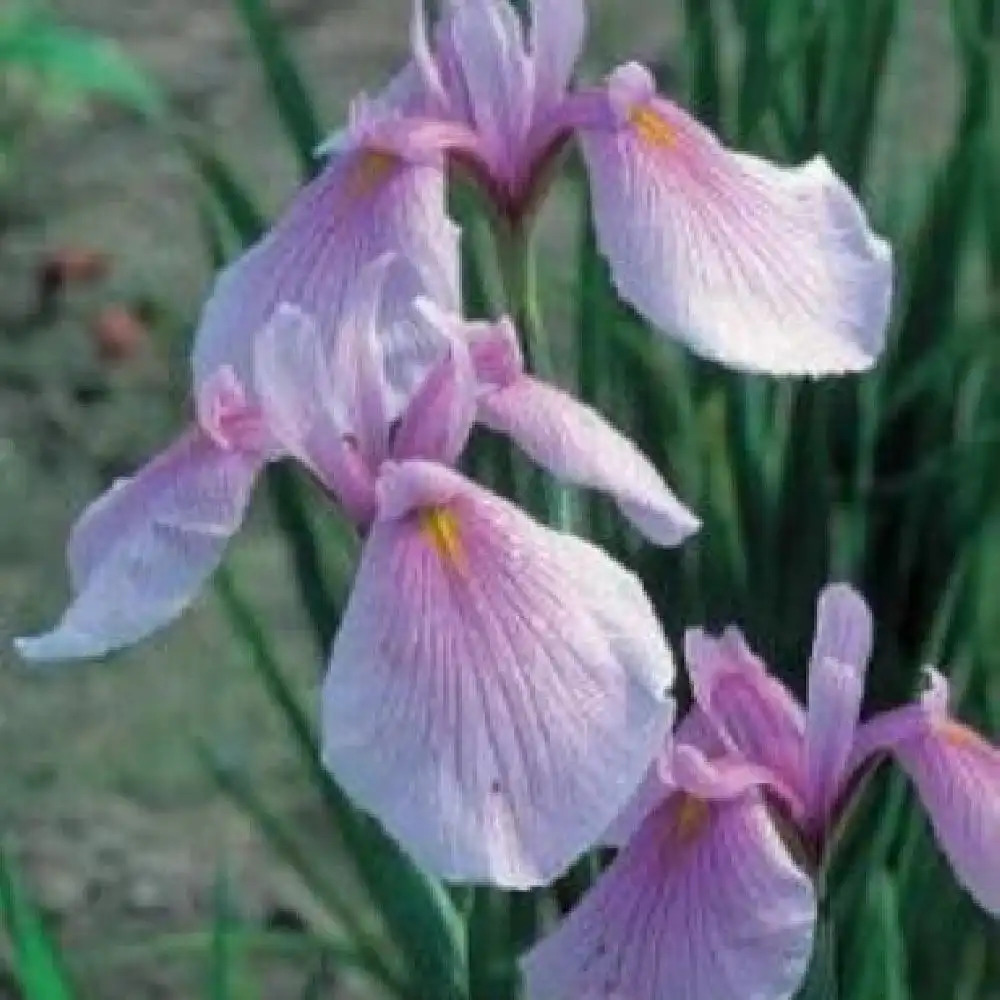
pixel 758 266
pixel 496 689
pixel 705 901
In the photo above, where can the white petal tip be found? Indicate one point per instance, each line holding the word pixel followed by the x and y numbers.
pixel 58 645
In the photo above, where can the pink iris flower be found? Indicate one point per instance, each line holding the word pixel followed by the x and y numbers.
pixel 758 266
pixel 710 897
pixel 496 689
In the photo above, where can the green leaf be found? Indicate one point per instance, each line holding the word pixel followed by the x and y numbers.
pixel 291 99
pixel 821 979
pixel 878 969
pixel 38 964
pixel 74 64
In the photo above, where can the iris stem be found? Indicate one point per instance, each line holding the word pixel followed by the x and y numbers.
pixel 519 268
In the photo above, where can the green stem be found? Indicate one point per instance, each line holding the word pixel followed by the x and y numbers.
pixel 519 268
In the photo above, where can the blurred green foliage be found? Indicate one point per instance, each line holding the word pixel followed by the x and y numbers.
pixel 889 480
pixel 48 70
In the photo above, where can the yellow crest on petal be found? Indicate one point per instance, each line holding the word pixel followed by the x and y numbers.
pixel 371 168
pixel 957 735
pixel 692 818
pixel 652 127
pixel 440 527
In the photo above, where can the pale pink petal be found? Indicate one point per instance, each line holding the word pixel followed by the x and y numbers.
pixel 762 267
pixel 557 33
pixel 437 422
pixel 841 649
pixel 844 629
pixel 487 40
pixel 957 775
pixel 575 443
pixel 703 904
pixel 305 413
pixel 365 204
pixel 497 689
pixel 139 555
pixel 757 715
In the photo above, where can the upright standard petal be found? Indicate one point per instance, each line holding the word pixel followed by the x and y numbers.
pixel 754 712
pixel 483 42
pixel 140 553
pixel 704 903
pixel 497 689
pixel 575 443
pixel 841 650
pixel 366 203
pixel 762 267
pixel 957 775
pixel 557 33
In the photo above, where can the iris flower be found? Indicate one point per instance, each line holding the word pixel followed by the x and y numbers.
pixel 759 266
pixel 496 689
pixel 710 898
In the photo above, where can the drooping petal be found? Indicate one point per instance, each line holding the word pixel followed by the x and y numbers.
pixel 141 552
pixel 366 203
pixel 762 267
pixel 755 712
pixel 557 33
pixel 704 903
pixel 841 649
pixel 957 776
pixel 575 443
pixel 497 689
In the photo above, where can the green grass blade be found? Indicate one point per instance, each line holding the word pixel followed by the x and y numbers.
pixel 704 83
pixel 38 964
pixel 878 969
pixel 291 98
pixel 222 973
pixel 234 201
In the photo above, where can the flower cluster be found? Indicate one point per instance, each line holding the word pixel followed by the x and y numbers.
pixel 735 815
pixel 497 689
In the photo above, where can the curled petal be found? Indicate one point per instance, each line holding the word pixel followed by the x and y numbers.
pixel 575 443
pixel 755 713
pixel 366 203
pixel 140 553
pixel 703 903
pixel 497 689
pixel 758 266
